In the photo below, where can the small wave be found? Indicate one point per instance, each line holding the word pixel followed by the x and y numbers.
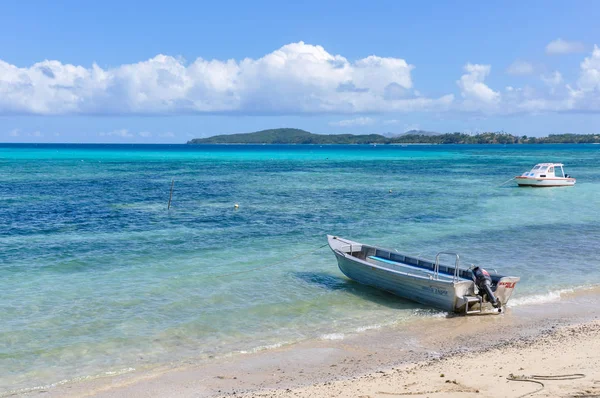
pixel 27 390
pixel 333 336
pixel 262 348
pixel 119 372
pixel 431 313
pixel 549 297
pixel 553 296
pixel 368 327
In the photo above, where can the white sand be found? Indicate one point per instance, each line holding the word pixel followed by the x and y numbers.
pixel 569 351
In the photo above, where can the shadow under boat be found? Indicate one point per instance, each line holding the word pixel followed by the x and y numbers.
pixel 378 296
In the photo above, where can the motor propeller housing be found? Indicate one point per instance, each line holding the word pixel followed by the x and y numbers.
pixel 483 281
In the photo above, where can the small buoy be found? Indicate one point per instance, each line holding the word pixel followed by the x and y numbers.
pixel 390 191
pixel 235 206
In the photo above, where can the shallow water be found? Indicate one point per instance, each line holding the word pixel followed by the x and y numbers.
pixel 98 276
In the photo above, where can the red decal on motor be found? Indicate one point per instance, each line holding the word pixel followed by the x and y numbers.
pixel 507 285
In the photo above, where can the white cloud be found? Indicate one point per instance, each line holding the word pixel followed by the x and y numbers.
pixel 589 79
pixel 359 121
pixel 553 79
pixel 19 133
pixel 560 46
pixel 472 87
pixel 391 121
pixel 297 78
pixel 145 134
pixel 123 133
pixel 168 134
pixel 520 68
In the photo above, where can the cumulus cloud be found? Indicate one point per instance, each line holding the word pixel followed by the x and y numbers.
pixel 473 88
pixel 520 68
pixel 584 96
pixel 297 78
pixel 555 96
pixel 560 46
pixel 589 79
pixel 359 121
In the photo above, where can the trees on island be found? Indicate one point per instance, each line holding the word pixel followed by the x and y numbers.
pixel 297 136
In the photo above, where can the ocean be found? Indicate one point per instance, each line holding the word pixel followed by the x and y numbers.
pixel 98 277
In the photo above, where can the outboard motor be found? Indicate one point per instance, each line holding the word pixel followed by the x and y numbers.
pixel 484 282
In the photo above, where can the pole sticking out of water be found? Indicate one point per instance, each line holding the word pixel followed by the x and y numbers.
pixel 171 194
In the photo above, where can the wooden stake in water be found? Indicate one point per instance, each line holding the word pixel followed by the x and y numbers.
pixel 171 194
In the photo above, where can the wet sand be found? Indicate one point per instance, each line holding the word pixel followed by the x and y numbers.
pixel 436 357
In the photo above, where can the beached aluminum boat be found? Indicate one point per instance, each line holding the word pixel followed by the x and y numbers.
pixel 465 291
pixel 545 175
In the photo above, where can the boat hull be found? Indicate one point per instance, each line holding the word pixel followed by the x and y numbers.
pixel 434 293
pixel 541 182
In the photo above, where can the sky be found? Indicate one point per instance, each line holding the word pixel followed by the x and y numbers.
pixel 166 72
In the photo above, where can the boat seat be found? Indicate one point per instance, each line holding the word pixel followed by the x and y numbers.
pixel 425 271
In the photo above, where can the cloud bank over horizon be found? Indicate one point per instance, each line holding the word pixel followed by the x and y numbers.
pixel 297 78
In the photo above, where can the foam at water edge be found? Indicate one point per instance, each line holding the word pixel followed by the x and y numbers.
pixel 432 313
pixel 262 348
pixel 539 298
pixel 333 336
pixel 369 327
pixel 552 296
pixel 66 381
pixel 119 372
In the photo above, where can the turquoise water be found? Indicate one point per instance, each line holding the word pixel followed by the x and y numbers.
pixel 97 276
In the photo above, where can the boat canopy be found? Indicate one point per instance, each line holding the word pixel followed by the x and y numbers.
pixel 548 170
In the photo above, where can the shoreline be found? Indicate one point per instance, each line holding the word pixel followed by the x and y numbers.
pixel 476 345
pixel 560 362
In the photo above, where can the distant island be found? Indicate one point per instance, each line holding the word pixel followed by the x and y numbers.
pixel 297 136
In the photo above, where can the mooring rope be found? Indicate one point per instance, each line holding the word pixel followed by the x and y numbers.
pixel 271 265
pixel 536 379
pixel 507 181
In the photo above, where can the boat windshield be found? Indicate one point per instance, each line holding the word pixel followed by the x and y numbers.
pixel 543 168
pixel 536 168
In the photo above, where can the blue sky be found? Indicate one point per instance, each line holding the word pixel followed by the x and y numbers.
pixel 116 71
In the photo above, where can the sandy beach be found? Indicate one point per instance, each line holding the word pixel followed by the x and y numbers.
pixel 549 350
pixel 564 363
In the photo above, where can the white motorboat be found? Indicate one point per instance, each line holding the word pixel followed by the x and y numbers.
pixel 545 175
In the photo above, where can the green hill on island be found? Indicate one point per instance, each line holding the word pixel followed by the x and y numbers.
pixel 290 136
pixel 297 136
